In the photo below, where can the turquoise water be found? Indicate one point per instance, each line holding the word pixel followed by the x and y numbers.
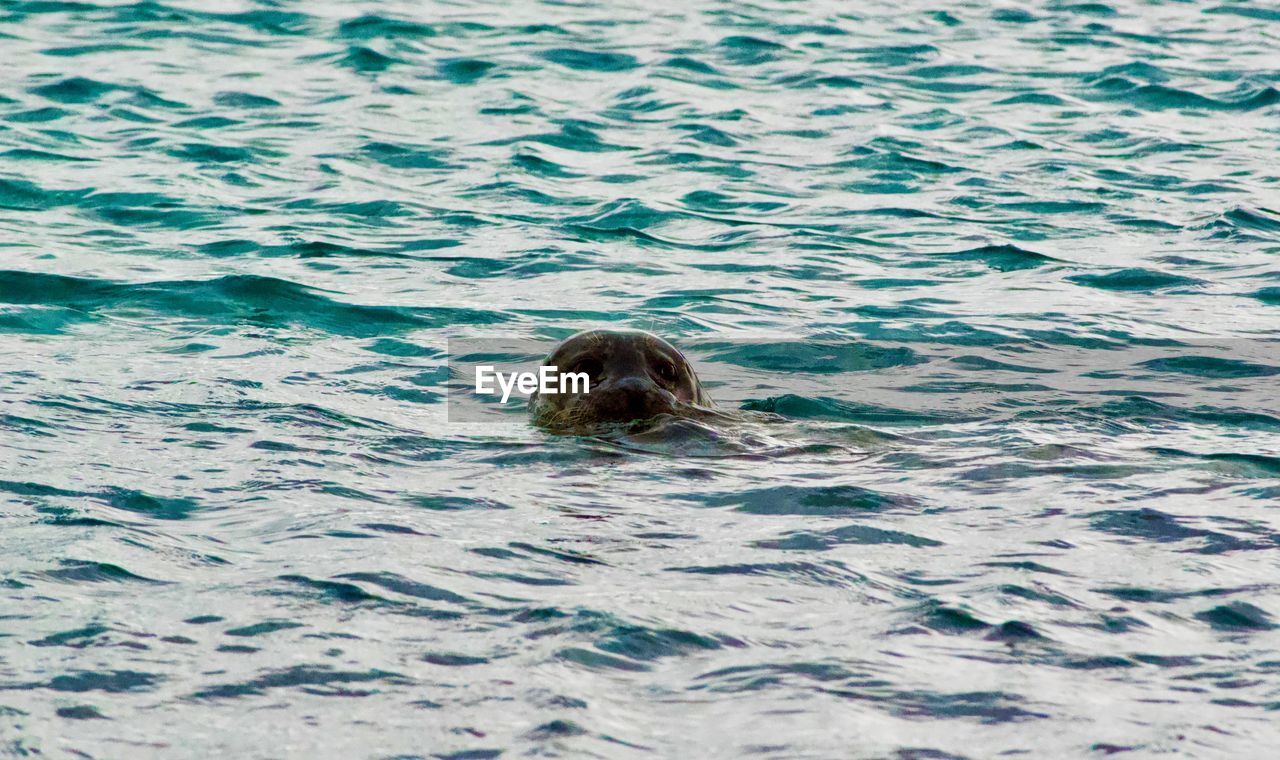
pixel 1009 274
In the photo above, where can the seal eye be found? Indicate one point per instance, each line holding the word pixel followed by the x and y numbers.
pixel 667 371
pixel 590 366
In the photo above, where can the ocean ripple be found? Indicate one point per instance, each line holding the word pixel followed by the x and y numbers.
pixel 987 297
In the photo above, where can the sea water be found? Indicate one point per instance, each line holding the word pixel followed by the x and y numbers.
pixel 1003 278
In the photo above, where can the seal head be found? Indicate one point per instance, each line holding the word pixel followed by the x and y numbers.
pixel 632 376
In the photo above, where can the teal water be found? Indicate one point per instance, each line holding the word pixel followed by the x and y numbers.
pixel 1009 274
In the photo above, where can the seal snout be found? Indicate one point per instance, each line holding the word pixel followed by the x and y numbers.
pixel 630 398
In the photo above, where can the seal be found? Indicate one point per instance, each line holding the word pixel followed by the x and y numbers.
pixel 632 376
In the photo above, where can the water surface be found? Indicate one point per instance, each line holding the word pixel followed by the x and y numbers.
pixel 1010 273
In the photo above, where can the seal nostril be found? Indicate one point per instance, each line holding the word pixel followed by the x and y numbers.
pixel 636 401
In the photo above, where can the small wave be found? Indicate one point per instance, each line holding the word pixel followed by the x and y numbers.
pixel 1135 280
pixel 750 51
pixel 897 55
pixel 269 22
pixel 1237 616
pixel 23 154
pixel 591 60
pixel 1153 525
pixel 204 153
pixel 1260 465
pixel 142 209
pixel 367 60
pixel 1269 296
pixel 1033 98
pixel 80 571
pixel 537 165
pixel 24 195
pixel 816 501
pixel 38 115
pixel 691 64
pixel 821 541
pixel 625 213
pixel 572 136
pixel 1264 14
pixel 108 681
pixel 1157 97
pixel 312 679
pixel 816 358
pixel 819 408
pixel 1211 366
pixel 467 70
pixel 1002 258
pixel 1243 223
pixel 708 135
pixel 897 161
pixel 372 26
pixel 245 100
pixel 1145 412
pixel 76 90
pixel 249 299
pixel 405 156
